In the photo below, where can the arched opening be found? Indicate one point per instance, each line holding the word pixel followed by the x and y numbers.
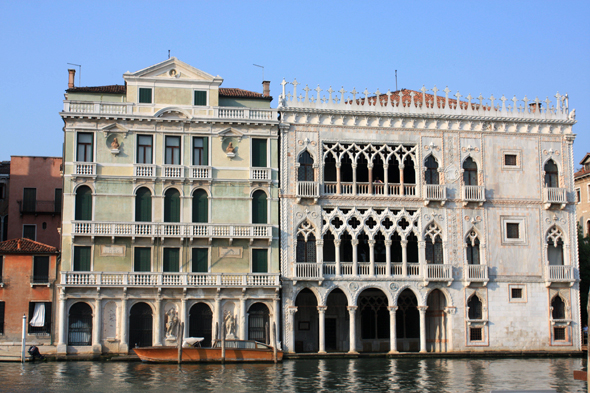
pixel 329 248
pixel 475 308
pixel 201 323
pixel 393 171
pixel 374 320
pixel 140 325
pixel 396 248
pixel 557 308
pixel 83 203
pixel 436 322
pixel 329 168
pixel 259 207
pixel 200 206
pixel 305 171
pixel 80 325
pixel 412 248
pixel 143 205
pixel 555 251
pixel 172 205
pixel 472 248
pixel 431 173
pixel 379 249
pixel 337 322
pixel 407 322
pixel 409 171
pixel 258 323
pixel 469 172
pixel 362 174
pixel 363 252
pixel 306 248
pixel 378 175
pixel 551 174
pixel 346 168
pixel 306 322
pixel 434 249
pixel 345 247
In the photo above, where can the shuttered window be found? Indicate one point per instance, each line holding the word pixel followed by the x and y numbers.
pixel 2 317
pixel 200 260
pixel 57 200
pixel 82 258
pixel 259 260
pixel 143 205
pixel 259 213
pixel 41 269
pixel 171 260
pixel 200 98
pixel 83 204
pixel 29 232
pixel 172 206
pixel 29 200
pixel 143 260
pixel 145 95
pixel 200 151
pixel 259 153
pixel 200 206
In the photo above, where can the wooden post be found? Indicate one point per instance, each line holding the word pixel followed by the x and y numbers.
pixel 274 342
pixel 223 342
pixel 267 341
pixel 24 339
pixel 180 339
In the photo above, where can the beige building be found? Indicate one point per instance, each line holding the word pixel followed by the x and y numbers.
pixel 582 190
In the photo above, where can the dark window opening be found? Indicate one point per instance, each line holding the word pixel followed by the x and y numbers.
pixel 510 159
pixel 82 258
pixel 172 150
pixel 475 334
pixel 469 172
pixel 39 318
pixel 305 171
pixel 475 308
pixel 431 173
pixel 512 230
pixel 516 293
pixel 551 174
pixel 41 269
pixel 145 95
pixel 171 260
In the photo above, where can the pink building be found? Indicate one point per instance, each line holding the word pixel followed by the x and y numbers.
pixel 35 199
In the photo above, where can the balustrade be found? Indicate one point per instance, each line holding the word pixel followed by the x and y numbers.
pixel 555 195
pixel 438 272
pixel 84 169
pixel 473 193
pixel 173 171
pixel 476 273
pixel 435 192
pixel 307 189
pixel 560 273
pixel 200 172
pixel 260 174
pixel 144 170
pixel 308 270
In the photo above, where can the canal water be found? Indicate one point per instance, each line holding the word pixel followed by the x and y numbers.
pixel 309 375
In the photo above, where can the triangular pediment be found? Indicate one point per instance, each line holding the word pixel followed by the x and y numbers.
pixel 173 113
pixel 172 69
pixel 230 132
pixel 115 127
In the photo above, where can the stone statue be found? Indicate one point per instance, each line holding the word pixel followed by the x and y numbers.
pixel 230 326
pixel 115 144
pixel 230 148
pixel 172 323
pixel 572 115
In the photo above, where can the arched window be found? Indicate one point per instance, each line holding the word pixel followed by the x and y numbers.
pixel 143 205
pixel 409 171
pixel 329 248
pixel 83 203
pixel 472 243
pixel 200 206
pixel 172 205
pixel 305 171
pixel 557 308
pixel 258 323
pixel 259 209
pixel 80 325
pixel 329 168
pixel 434 249
pixel 345 247
pixel 306 249
pixel 555 246
pixel 431 173
pixel 469 172
pixel 475 309
pixel 551 174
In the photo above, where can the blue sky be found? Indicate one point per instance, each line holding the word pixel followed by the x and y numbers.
pixel 532 48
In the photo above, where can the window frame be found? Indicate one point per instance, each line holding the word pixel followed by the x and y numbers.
pixel 91 267
pixel 522 230
pixel 204 151
pixel 91 144
pixel 252 259
pixel 179 147
pixel 517 153
pixel 522 299
pixel 151 259
pixel 267 161
pixel 195 97
pixel 208 259
pixel 578 191
pixel 34 226
pixel 151 146
pixel 46 326
pixel 139 88
pixel 2 316
pixel 58 206
pixel 164 260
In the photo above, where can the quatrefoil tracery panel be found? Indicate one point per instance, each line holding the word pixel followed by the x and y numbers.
pixel 432 231
pixel 306 229
pixel 370 152
pixel 554 234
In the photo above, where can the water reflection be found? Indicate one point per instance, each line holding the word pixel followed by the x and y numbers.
pixel 349 375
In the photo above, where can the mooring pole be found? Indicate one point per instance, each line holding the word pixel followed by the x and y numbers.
pixel 223 342
pixel 24 342
pixel 274 342
pixel 587 351
pixel 180 338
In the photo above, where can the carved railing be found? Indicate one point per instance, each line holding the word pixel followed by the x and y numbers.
pixel 435 192
pixel 200 172
pixel 308 270
pixel 173 171
pixel 307 189
pixel 84 169
pixel 473 193
pixel 259 174
pixel 560 273
pixel 144 170
pixel 438 272
pixel 555 195
pixel 475 273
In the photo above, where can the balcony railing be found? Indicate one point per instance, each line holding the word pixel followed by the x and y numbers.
pixel 308 270
pixel 555 195
pixel 173 171
pixel 560 273
pixel 476 273
pixel 314 271
pixel 84 169
pixel 131 279
pixel 260 174
pixel 39 207
pixel 435 192
pixel 364 188
pixel 200 172
pixel 168 229
pixel 307 189
pixel 438 272
pixel 144 170
pixel 473 194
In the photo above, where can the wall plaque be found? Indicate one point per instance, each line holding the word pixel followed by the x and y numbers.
pixel 112 251
pixel 230 252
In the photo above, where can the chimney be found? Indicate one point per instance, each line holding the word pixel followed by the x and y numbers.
pixel 71 78
pixel 18 244
pixel 534 107
pixel 266 88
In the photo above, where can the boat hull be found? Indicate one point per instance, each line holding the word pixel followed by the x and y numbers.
pixel 204 355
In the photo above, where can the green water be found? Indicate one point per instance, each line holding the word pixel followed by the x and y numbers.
pixel 314 375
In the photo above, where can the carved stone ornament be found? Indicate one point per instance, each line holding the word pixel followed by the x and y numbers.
pixel 451 174
pixel 393 287
pixel 353 286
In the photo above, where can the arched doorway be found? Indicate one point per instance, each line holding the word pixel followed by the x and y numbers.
pixel 201 323
pixel 306 322
pixel 436 322
pixel 258 323
pixel 336 323
pixel 80 325
pixel 83 204
pixel 374 321
pixel 140 326
pixel 407 322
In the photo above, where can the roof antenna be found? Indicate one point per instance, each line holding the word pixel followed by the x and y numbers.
pixel 262 70
pixel 395 80
pixel 79 74
pixel 168 53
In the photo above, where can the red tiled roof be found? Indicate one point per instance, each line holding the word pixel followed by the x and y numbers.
pixel 240 93
pixel 25 246
pixel 110 89
pixel 582 172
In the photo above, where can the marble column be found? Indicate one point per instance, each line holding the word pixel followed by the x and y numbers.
pixel 124 345
pixel 158 322
pixel 322 323
pixel 96 326
pixel 422 310
pixel 392 329
pixel 371 190
pixel 62 320
pixel 422 258
pixel 388 258
pixel 276 304
pixel 337 257
pixel 354 179
pixel 385 179
pixel 401 179
pixel 290 328
pixel 217 319
pixel 355 271
pixel 404 244
pixel 242 325
pixel 338 179
pixel 183 317
pixel 352 329
pixel 372 258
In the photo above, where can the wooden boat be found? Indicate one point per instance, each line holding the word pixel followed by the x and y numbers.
pixel 235 351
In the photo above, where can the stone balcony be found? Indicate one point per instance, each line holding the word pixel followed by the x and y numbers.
pixel 260 174
pixel 560 274
pixel 475 274
pixel 84 169
pixel 554 195
pixel 475 194
pixel 171 230
pixel 435 193
pixel 364 188
pixel 170 280
pixel 308 189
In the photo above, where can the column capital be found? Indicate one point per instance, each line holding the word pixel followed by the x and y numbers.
pixel 388 243
pixel 322 309
pixel 450 310
pixel 354 242
pixel 422 309
pixel 352 308
pixel 319 242
pixel 392 309
pixel 404 243
pixel 292 310
pixel 337 242
pixel 372 243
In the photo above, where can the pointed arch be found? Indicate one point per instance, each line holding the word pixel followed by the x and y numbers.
pixel 558 307
pixel 555 242
pixel 470 169
pixel 306 243
pixel 305 171
pixel 551 171
pixel 475 307
pixel 431 175
pixel 472 247
pixel 433 237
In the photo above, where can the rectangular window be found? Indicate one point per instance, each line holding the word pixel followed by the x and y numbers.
pixel 200 260
pixel 39 317
pixel 57 200
pixel 85 147
pixel 145 95
pixel 510 159
pixel 2 190
pixel 200 98
pixel 200 151
pixel 41 269
pixel 259 260
pixel 29 200
pixel 259 153
pixel 1 263
pixel 143 259
pixel 516 293
pixel 171 260
pixel 512 230
pixel 82 258
pixel 475 334
pixel 559 333
pixel 144 149
pixel 172 150
pixel 1 317
pixel 578 195
pixel 30 232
